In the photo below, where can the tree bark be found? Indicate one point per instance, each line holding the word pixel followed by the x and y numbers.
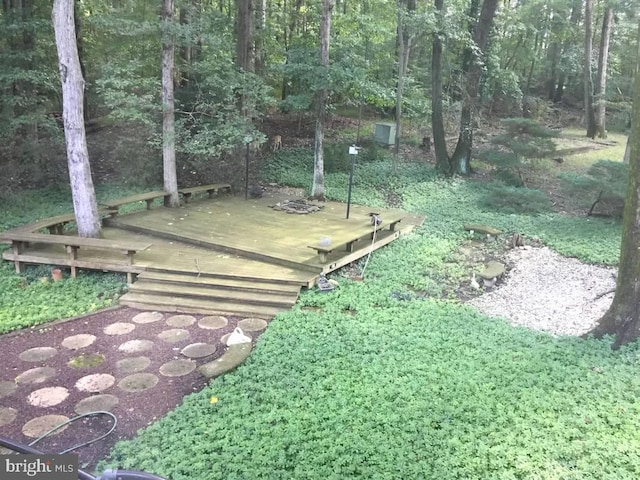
pixel 245 35
pixel 601 78
pixel 84 199
pixel 168 106
pixel 461 158
pixel 317 191
pixel 437 122
pixel 589 114
pixel 623 317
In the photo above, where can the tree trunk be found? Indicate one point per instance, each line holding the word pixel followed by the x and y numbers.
pixel 317 191
pixel 437 122
pixel 623 317
pixel 261 29
pixel 168 107
pixel 601 78
pixel 82 191
pixel 576 12
pixel 589 114
pixel 245 35
pixel 461 158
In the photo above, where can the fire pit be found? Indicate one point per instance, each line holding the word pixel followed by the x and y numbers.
pixel 297 206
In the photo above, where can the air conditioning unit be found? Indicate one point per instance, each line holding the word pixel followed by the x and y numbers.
pixel 385 133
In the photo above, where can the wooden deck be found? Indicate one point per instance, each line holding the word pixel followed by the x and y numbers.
pixel 217 255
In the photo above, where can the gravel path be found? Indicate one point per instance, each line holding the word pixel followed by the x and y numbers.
pixel 549 292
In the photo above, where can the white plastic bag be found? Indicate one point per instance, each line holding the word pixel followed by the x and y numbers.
pixel 237 337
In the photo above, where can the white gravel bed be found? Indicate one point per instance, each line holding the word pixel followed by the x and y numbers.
pixel 549 292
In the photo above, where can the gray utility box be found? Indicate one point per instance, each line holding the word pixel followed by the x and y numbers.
pixel 386 133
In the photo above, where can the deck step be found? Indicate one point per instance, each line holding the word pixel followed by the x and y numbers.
pixel 213 293
pixel 167 303
pixel 238 284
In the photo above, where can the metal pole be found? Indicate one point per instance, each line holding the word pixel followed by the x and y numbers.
pixel 353 161
pixel 246 174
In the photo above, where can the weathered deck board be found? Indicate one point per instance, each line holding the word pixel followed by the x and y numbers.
pixel 242 251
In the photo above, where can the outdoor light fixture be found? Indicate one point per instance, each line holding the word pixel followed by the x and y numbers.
pixel 353 151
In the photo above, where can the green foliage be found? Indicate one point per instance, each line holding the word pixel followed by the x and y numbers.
pixel 522 146
pixel 602 188
pixel 33 299
pixel 509 199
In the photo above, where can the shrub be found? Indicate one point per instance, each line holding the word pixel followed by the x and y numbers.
pixel 604 186
pixel 509 199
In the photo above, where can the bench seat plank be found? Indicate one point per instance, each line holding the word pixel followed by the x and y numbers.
pixel 20 239
pixel 347 242
pixel 210 189
pixel 148 197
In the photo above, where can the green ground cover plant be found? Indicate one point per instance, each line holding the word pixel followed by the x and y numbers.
pixel 391 377
pixel 394 378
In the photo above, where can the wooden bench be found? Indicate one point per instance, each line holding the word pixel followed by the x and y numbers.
pixel 113 206
pixel 54 225
pixel 20 240
pixel 211 190
pixel 347 245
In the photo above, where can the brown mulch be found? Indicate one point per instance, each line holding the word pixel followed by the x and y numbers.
pixel 134 410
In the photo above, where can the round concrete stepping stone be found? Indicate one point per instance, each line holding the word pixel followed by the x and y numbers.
pixel 37 354
pixel 86 361
pixel 179 321
pixel 177 368
pixel 97 382
pixel 138 382
pixel 252 324
pixel 198 350
pixel 134 346
pixel 41 425
pixel 213 322
pixel 48 396
pixel 36 375
pixel 75 342
pixel 132 364
pixel 7 415
pixel 147 317
pixel 174 335
pixel 7 388
pixel 96 403
pixel 119 328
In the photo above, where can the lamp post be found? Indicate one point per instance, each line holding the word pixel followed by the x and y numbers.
pixel 353 151
pixel 247 140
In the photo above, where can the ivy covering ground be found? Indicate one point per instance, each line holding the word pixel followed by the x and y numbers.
pixel 372 381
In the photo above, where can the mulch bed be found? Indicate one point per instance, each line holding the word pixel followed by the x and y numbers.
pixel 135 409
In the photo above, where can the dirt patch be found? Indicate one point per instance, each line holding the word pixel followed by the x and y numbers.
pixel 147 365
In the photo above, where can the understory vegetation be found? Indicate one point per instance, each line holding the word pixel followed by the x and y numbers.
pixel 391 377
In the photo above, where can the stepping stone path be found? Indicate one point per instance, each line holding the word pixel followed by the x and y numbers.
pixel 142 355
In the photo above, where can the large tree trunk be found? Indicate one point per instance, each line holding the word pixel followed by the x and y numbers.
pixel 168 107
pixel 245 35
pixel 623 317
pixel 601 78
pixel 83 193
pixel 437 122
pixel 317 191
pixel 461 158
pixel 589 114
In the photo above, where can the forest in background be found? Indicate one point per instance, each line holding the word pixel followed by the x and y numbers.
pixel 239 65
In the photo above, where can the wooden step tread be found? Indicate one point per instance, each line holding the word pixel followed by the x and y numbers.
pixel 145 286
pixel 193 305
pixel 229 283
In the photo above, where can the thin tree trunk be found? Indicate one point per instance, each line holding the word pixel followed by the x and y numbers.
pixel 437 122
pixel 623 317
pixel 261 29
pixel 461 158
pixel 589 114
pixel 168 107
pixel 576 12
pixel 317 190
pixel 601 78
pixel 82 190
